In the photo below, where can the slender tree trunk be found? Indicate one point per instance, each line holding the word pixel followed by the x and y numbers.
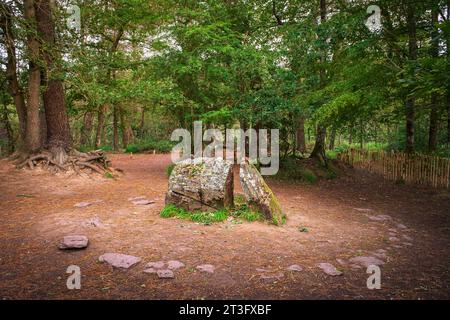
pixel 448 117
pixel 411 101
pixel 59 139
pixel 101 114
pixel 8 129
pixel 433 129
pixel 332 139
pixel 85 138
pixel 448 85
pixel 127 133
pixel 104 108
pixel 321 132
pixel 319 147
pixel 115 128
pixel 142 125
pixel 11 72
pixel 301 144
pixel 361 135
pixel 32 137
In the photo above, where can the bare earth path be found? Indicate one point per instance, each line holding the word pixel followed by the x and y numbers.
pixel 349 217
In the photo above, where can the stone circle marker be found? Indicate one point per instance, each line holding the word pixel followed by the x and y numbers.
pixel 74 242
pixel 119 260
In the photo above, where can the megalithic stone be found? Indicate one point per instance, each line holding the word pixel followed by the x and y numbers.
pixel 258 194
pixel 201 184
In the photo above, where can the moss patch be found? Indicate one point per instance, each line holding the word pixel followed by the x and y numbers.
pixel 241 211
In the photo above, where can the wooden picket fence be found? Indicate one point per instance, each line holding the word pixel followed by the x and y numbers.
pixel 414 169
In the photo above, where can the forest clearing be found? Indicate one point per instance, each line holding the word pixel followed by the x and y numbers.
pixel 224 149
pixel 251 260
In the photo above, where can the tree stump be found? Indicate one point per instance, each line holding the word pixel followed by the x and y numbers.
pixel 201 184
pixel 258 194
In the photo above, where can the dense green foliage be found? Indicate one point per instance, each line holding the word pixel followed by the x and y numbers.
pixel 136 70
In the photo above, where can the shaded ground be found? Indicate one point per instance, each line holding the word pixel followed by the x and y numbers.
pixel 37 210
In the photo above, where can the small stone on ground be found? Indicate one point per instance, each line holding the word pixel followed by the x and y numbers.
pixel 74 242
pixel 329 269
pixel 165 274
pixel 94 222
pixel 136 198
pixel 174 265
pixel 407 237
pixel 119 260
pixel 82 204
pixel 144 202
pixel 366 261
pixel 206 268
pixel 295 267
pixel 156 265
pixel 150 270
pixel 381 218
pixel 272 277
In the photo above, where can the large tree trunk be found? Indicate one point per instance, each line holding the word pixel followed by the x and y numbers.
pixel 410 100
pixel 11 72
pixel 433 129
pixel 301 143
pixel 59 139
pixel 32 137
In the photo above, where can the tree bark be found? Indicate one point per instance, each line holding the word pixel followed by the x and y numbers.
pixel 319 147
pixel 301 143
pixel 127 133
pixel 115 128
pixel 32 137
pixel 104 108
pixel 433 129
pixel 11 72
pixel 59 139
pixel 85 138
pixel 101 114
pixel 448 85
pixel 448 117
pixel 8 129
pixel 142 124
pixel 410 100
pixel 332 139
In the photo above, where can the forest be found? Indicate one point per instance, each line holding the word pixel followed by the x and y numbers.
pixel 126 73
pixel 353 98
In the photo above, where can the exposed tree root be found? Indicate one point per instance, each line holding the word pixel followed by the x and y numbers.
pixel 75 161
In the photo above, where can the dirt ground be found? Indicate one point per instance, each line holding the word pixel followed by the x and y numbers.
pixel 342 218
